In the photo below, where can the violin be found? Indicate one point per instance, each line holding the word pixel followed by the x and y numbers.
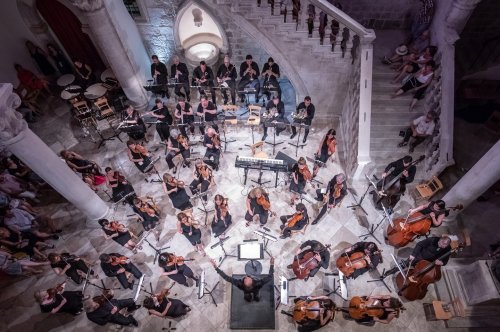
pixel 405 230
pixel 119 260
pixel 141 149
pixel 264 202
pixel 302 267
pixel 183 141
pixel 306 310
pixel 305 173
pixel 177 183
pixel 349 263
pixel 178 260
pixel 419 277
pixel 358 309
pixel 107 294
pixel 216 141
pixel 294 219
pixel 117 227
pixel 118 176
pixel 204 171
pixel 224 208
pixel 55 290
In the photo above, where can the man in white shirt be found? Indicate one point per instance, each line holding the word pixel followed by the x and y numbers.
pixel 419 130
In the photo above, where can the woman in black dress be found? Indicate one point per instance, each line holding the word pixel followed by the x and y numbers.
pixel 191 230
pixel 79 164
pixel 71 265
pixel 222 217
pixel 177 193
pixel 325 150
pixel 300 176
pixel 175 268
pixel 131 117
pixel 139 155
pixel 117 232
pixel 162 306
pixel 41 59
pixel 119 185
pixel 148 216
pixel 84 74
pixel 56 300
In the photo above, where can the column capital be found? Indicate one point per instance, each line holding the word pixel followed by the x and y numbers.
pixel 88 5
pixel 11 122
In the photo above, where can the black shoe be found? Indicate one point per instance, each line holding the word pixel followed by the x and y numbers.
pixel 134 308
pixel 256 298
pixel 256 100
pixel 242 100
pixel 289 266
pixel 264 138
pixel 304 140
pixel 283 237
pixel 314 222
pixel 197 282
pixel 306 278
pixel 402 144
pixel 134 321
pixel 292 136
pixel 372 192
pixel 412 148
pixel 188 99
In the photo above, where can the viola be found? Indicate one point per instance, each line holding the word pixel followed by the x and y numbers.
pixel 305 173
pixel 305 309
pixel 224 208
pixel 294 219
pixel 420 277
pixel 117 227
pixel 216 141
pixel 178 260
pixel 302 267
pixel 119 260
pixel 118 176
pixel 106 295
pixel 57 289
pixel 349 263
pixel 204 171
pixel 264 202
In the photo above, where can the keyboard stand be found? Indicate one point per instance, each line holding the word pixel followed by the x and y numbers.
pixel 259 180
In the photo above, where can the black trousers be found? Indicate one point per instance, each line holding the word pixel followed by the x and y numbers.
pixel 123 279
pixel 170 156
pixel 278 129
pixel 215 155
pixel 183 273
pixel 210 85
pixel 183 128
pixel 275 84
pixel 204 187
pixel 163 130
pixel 262 217
pixel 288 230
pixel 416 140
pixel 232 88
pixel 244 82
pixel 72 272
pixel 306 131
pixel 118 318
pixel 186 87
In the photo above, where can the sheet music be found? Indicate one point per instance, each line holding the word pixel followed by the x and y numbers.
pixel 250 251
pixel 284 290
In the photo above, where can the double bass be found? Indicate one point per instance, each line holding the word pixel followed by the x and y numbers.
pixel 349 263
pixel 414 286
pixel 302 267
pixel 405 230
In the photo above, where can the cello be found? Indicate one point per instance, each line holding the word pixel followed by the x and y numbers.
pixel 349 263
pixel 305 309
pixel 414 286
pixel 302 267
pixel 358 309
pixel 405 230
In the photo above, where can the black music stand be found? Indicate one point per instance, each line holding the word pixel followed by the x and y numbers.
pixel 109 138
pixel 157 251
pixel 259 180
pixel 153 168
pixel 266 240
pixel 298 145
pixel 246 92
pixel 275 125
pixel 203 204
pixel 254 252
pixel 224 252
pixel 358 204
pixel 374 227
pixel 206 291
pixel 381 279
pixel 224 139
pixel 336 286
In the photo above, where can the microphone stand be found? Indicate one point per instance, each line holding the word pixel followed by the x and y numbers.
pixel 298 145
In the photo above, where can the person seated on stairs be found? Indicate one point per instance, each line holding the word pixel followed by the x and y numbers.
pixel 419 129
pixel 418 83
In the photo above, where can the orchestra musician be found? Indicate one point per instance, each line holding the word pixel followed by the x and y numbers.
pixel 257 204
pixel 177 144
pixel 72 266
pixel 226 75
pixel 188 227
pixel 203 76
pixel 248 284
pixel 371 253
pixel 163 119
pixel 184 113
pixel 203 178
pixel 131 117
pixel 176 191
pixel 180 73
pixel 325 150
pixel 222 218
pixel 119 185
pixel 159 73
pixel 57 300
pixel 275 109
pixel 103 309
pixel 208 112
pixel 300 176
pixel 436 210
pixel 376 308
pixel 79 164
pixel 139 155
pixel 321 308
pixel 162 306
pixel 211 141
pixel 336 190
pixel 176 269
pixel 118 232
pixel 148 216
pixel 321 254
pixel 271 73
pixel 249 73
pixel 304 114
pixel 294 222
pixel 431 249
pixel 115 265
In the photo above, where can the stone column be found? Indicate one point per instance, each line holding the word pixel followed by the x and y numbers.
pixel 476 181
pixel 459 13
pixel 21 141
pixel 303 15
pixel 107 33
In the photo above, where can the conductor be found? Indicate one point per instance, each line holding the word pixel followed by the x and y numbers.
pixel 249 285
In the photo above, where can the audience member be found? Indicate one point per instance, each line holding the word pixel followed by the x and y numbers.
pixel 419 130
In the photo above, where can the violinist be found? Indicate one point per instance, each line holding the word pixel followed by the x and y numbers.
pixel 203 178
pixel 136 129
pixel 163 119
pixel 119 185
pixel 325 151
pixel 115 265
pixel 177 144
pixel 320 252
pixel 313 312
pixel 211 141
pixel 148 216
pixel 73 266
pixel 175 189
pixel 103 309
pixel 161 306
pixel 188 227
pixel 79 164
pixel 176 269
pixel 332 196
pixel 371 309
pixel 139 155
pixel 294 222
pixel 434 209
pixel 118 232
pixel 372 257
pixel 431 249
pixel 57 300
pixel 257 204
pixel 184 113
pixel 300 176
pixel 222 217
pixel 203 76
pixel 227 74
pixel 248 284
pixel 208 112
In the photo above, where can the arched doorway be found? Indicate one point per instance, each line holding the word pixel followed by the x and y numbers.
pixel 68 29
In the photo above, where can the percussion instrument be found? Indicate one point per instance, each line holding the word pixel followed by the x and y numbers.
pixel 95 91
pixel 65 80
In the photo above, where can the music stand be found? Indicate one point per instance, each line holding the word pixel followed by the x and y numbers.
pixel 203 203
pixel 259 179
pixel 336 287
pixel 358 204
pixel 381 279
pixel 203 290
pixel 157 251
pixel 275 125
pixel 251 251
pixel 153 167
pixel 266 237
pixel 104 139
pixel 374 227
pixel 224 252
pixel 298 145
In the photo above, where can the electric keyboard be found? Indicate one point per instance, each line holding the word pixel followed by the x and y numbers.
pixel 261 163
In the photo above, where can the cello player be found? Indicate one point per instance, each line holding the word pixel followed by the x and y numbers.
pixel 300 214
pixel 431 249
pixel 326 313
pixel 372 256
pixel 390 311
pixel 435 209
pixel 322 255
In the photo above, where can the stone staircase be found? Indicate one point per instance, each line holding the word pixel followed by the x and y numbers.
pixel 389 116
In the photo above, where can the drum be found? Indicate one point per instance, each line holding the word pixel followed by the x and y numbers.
pixel 65 80
pixel 95 91
pixel 71 92
pixel 107 74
